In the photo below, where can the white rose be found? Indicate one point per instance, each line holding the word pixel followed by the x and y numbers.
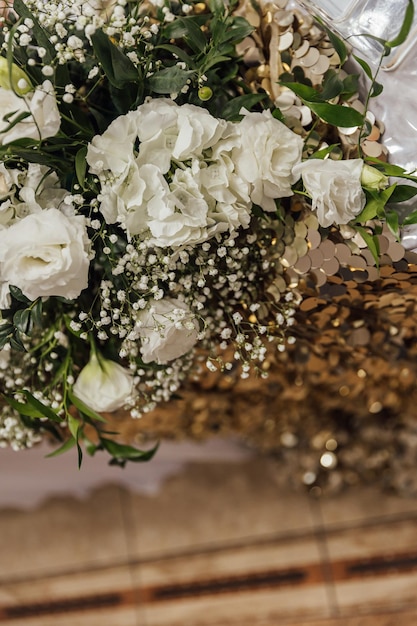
pixel 167 329
pixel 265 158
pixel 46 254
pixel 103 385
pixel 43 120
pixel 335 189
pixel 166 131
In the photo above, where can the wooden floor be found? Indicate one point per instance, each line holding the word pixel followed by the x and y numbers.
pixel 220 545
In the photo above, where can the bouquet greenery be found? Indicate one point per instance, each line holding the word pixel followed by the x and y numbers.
pixel 153 198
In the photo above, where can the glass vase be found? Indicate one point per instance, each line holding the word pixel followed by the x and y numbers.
pixel 355 20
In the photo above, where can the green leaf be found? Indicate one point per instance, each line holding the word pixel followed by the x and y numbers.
pixel 376 202
pixel 370 210
pixel 6 329
pixel 170 80
pixel 402 193
pixel 217 7
pixel 376 90
pixel 23 408
pixel 40 34
pixel 337 43
pixel 118 68
pixel 364 66
pixel 278 115
pixel 375 205
pixel 305 92
pixel 68 445
pixel 22 320
pixel 350 85
pixel 405 27
pixel 84 409
pixel 46 411
pixel 74 427
pixel 332 86
pixel 189 29
pixel 121 452
pixel 16 343
pixel 37 312
pixel 236 30
pixel 17 294
pixel 178 52
pixel 336 114
pixel 392 220
pixel 215 60
pixel 4 341
pixel 231 111
pixel 410 219
pixel 371 241
pixel 81 165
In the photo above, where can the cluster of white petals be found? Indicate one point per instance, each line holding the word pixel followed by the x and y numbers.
pixel 178 176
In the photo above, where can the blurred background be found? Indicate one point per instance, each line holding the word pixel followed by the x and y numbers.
pixel 204 535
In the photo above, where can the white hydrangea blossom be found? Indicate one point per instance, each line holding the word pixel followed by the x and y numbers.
pixel 181 186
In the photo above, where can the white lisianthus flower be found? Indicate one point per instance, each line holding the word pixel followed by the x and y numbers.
pixel 103 385
pixel 43 118
pixel 334 187
pixel 168 330
pixel 46 254
pixel 265 157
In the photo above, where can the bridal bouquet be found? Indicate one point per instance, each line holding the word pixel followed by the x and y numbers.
pixel 155 201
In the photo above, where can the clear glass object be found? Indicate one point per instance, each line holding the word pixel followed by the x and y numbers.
pixel 381 18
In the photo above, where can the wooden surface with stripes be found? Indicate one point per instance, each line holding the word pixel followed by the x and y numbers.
pixel 220 545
